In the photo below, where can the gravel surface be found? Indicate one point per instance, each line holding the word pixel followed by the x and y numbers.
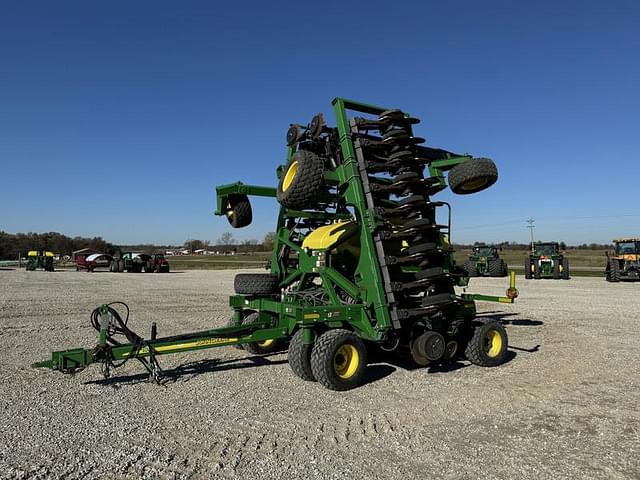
pixel 564 406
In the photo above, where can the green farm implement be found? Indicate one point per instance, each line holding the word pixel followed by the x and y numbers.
pixel 546 261
pixel 361 260
pixel 39 259
pixel 485 261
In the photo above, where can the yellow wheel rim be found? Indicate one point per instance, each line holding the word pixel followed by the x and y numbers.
pixel 265 343
pixel 289 175
pixel 494 343
pixel 473 184
pixel 229 210
pixel 346 361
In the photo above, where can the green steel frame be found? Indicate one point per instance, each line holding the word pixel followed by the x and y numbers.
pixel 279 317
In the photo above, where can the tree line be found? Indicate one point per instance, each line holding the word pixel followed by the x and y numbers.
pixel 524 246
pixel 14 244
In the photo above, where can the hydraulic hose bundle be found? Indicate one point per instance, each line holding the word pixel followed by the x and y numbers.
pixel 113 331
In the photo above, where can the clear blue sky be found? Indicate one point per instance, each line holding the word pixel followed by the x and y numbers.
pixel 119 118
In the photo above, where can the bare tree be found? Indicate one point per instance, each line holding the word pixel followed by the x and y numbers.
pixel 226 239
pixel 193 245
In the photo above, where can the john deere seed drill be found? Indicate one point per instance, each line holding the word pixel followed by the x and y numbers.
pixel 360 259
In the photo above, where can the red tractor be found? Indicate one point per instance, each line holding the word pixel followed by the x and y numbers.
pixel 160 264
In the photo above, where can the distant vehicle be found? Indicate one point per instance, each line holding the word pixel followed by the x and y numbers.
pixel 624 263
pixel 132 262
pixel 160 264
pixel 485 261
pixel 546 261
pixel 39 259
pixel 93 261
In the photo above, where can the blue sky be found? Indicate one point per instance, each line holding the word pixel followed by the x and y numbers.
pixel 119 118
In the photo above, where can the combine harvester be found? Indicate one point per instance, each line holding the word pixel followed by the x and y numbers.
pixel 359 260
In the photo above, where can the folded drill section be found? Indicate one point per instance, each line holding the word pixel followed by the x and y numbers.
pixel 362 257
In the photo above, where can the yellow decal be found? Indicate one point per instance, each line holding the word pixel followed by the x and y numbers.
pixel 185 346
pixel 311 315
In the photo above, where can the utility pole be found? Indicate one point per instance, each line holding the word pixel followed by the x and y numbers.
pixel 531 226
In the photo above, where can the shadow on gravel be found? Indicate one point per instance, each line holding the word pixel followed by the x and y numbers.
pixel 377 372
pixel 526 350
pixel 503 317
pixel 184 373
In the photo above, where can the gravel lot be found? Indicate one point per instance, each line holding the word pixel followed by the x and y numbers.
pixel 564 406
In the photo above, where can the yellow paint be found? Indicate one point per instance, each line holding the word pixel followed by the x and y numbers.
pixel 289 175
pixel 494 343
pixel 505 300
pixel 185 346
pixel 346 361
pixel 311 315
pixel 48 254
pixel 265 343
pixel 32 253
pixel 324 238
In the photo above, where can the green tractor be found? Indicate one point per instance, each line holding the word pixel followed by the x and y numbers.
pixel 624 263
pixel 485 261
pixel 132 262
pixel 39 259
pixel 546 261
pixel 359 260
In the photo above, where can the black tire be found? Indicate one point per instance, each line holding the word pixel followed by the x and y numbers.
pixel 256 284
pixel 301 181
pixel 527 269
pixel 613 272
pixel 488 345
pixel 299 357
pixel 121 265
pixel 238 210
pixel 505 268
pixel 339 360
pixel 496 268
pixel 565 269
pixel 470 268
pixel 260 348
pixel 473 175
pixel 556 270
